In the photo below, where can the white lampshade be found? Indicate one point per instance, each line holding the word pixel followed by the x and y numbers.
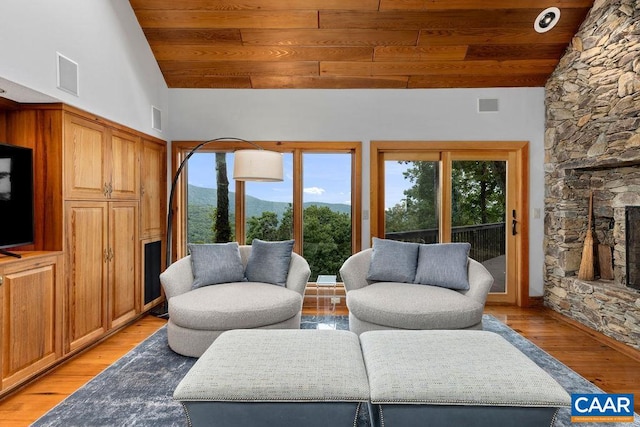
pixel 257 165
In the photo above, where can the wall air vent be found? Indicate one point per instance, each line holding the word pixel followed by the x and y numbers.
pixel 156 118
pixel 67 74
pixel 487 105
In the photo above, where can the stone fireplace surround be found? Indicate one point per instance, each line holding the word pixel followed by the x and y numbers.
pixel 592 143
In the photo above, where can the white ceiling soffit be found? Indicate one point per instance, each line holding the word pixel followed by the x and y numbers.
pixel 22 94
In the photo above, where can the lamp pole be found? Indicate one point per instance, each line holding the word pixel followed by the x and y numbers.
pixel 174 183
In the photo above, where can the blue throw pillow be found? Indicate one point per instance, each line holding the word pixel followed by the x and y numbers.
pixel 216 263
pixel 444 265
pixel 393 261
pixel 269 262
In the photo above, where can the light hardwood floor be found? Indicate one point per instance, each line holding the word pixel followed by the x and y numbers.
pixel 610 369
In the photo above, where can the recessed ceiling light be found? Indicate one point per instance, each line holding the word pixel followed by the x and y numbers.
pixel 547 19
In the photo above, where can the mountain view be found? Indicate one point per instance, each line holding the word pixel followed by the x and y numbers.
pixel 207 197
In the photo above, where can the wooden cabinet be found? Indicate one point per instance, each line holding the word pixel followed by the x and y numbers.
pixel 99 193
pixel 124 165
pixel 153 188
pixel 123 262
pixel 86 265
pixel 102 275
pixel 31 315
pixel 153 216
pixel 85 165
pixel 99 162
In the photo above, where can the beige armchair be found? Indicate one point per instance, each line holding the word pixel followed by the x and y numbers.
pixel 198 316
pixel 392 305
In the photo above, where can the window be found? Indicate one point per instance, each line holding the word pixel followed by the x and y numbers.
pixel 317 204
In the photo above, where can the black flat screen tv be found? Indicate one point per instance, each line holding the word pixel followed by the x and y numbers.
pixel 16 196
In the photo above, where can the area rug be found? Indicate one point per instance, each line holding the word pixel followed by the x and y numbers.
pixel 137 390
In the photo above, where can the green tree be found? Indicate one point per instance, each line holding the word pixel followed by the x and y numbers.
pixel 199 228
pixel 327 239
pixel 478 196
pixel 326 235
pixel 264 227
pixel 419 209
pixel 221 226
pixel 285 230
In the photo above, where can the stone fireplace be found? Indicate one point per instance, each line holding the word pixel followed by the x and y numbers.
pixel 632 224
pixel 592 144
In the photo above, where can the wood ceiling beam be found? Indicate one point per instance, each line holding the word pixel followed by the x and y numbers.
pixel 295 82
pixel 158 36
pixel 453 81
pixel 227 19
pixel 448 19
pixel 329 37
pixel 210 82
pixel 424 68
pixel 254 4
pixel 490 36
pixel 238 68
pixel 423 53
pixel 223 52
pixel 481 4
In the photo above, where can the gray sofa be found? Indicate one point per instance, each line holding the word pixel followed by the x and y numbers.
pixel 198 316
pixel 379 305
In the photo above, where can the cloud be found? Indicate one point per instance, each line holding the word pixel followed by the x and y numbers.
pixel 314 190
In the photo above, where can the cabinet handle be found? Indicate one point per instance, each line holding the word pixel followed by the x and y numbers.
pixel 142 190
pixel 110 189
pixel 1 280
pixel 108 255
pixel 105 190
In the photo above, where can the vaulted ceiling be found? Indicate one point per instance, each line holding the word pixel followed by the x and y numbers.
pixel 356 43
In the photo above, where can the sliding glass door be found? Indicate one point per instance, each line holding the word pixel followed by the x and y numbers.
pixel 456 192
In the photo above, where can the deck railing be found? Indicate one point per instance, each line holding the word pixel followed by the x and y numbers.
pixel 487 240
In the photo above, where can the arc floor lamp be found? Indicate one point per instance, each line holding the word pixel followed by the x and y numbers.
pixel 255 164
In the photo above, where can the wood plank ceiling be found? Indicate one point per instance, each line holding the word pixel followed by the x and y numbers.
pixel 334 44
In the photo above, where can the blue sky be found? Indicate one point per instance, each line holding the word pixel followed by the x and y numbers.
pixel 326 178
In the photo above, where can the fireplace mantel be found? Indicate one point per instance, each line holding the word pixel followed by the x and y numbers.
pixel 587 165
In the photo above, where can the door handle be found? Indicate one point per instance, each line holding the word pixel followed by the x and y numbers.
pixel 514 223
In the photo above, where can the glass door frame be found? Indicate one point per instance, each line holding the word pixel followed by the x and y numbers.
pixel 515 153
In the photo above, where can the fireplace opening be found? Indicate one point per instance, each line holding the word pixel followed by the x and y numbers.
pixel 632 225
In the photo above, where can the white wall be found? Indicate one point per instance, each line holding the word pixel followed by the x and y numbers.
pixel 366 115
pixel 118 77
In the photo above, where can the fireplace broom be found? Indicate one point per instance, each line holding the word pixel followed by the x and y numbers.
pixel 586 264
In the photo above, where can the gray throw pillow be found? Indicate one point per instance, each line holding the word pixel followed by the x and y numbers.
pixel 216 263
pixel 444 265
pixel 393 261
pixel 269 262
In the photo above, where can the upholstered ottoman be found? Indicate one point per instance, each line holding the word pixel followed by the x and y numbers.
pixel 456 378
pixel 277 378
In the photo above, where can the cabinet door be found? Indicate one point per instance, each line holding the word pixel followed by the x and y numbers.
pixel 86 159
pixel 124 182
pixel 87 258
pixel 153 188
pixel 31 317
pixel 123 262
